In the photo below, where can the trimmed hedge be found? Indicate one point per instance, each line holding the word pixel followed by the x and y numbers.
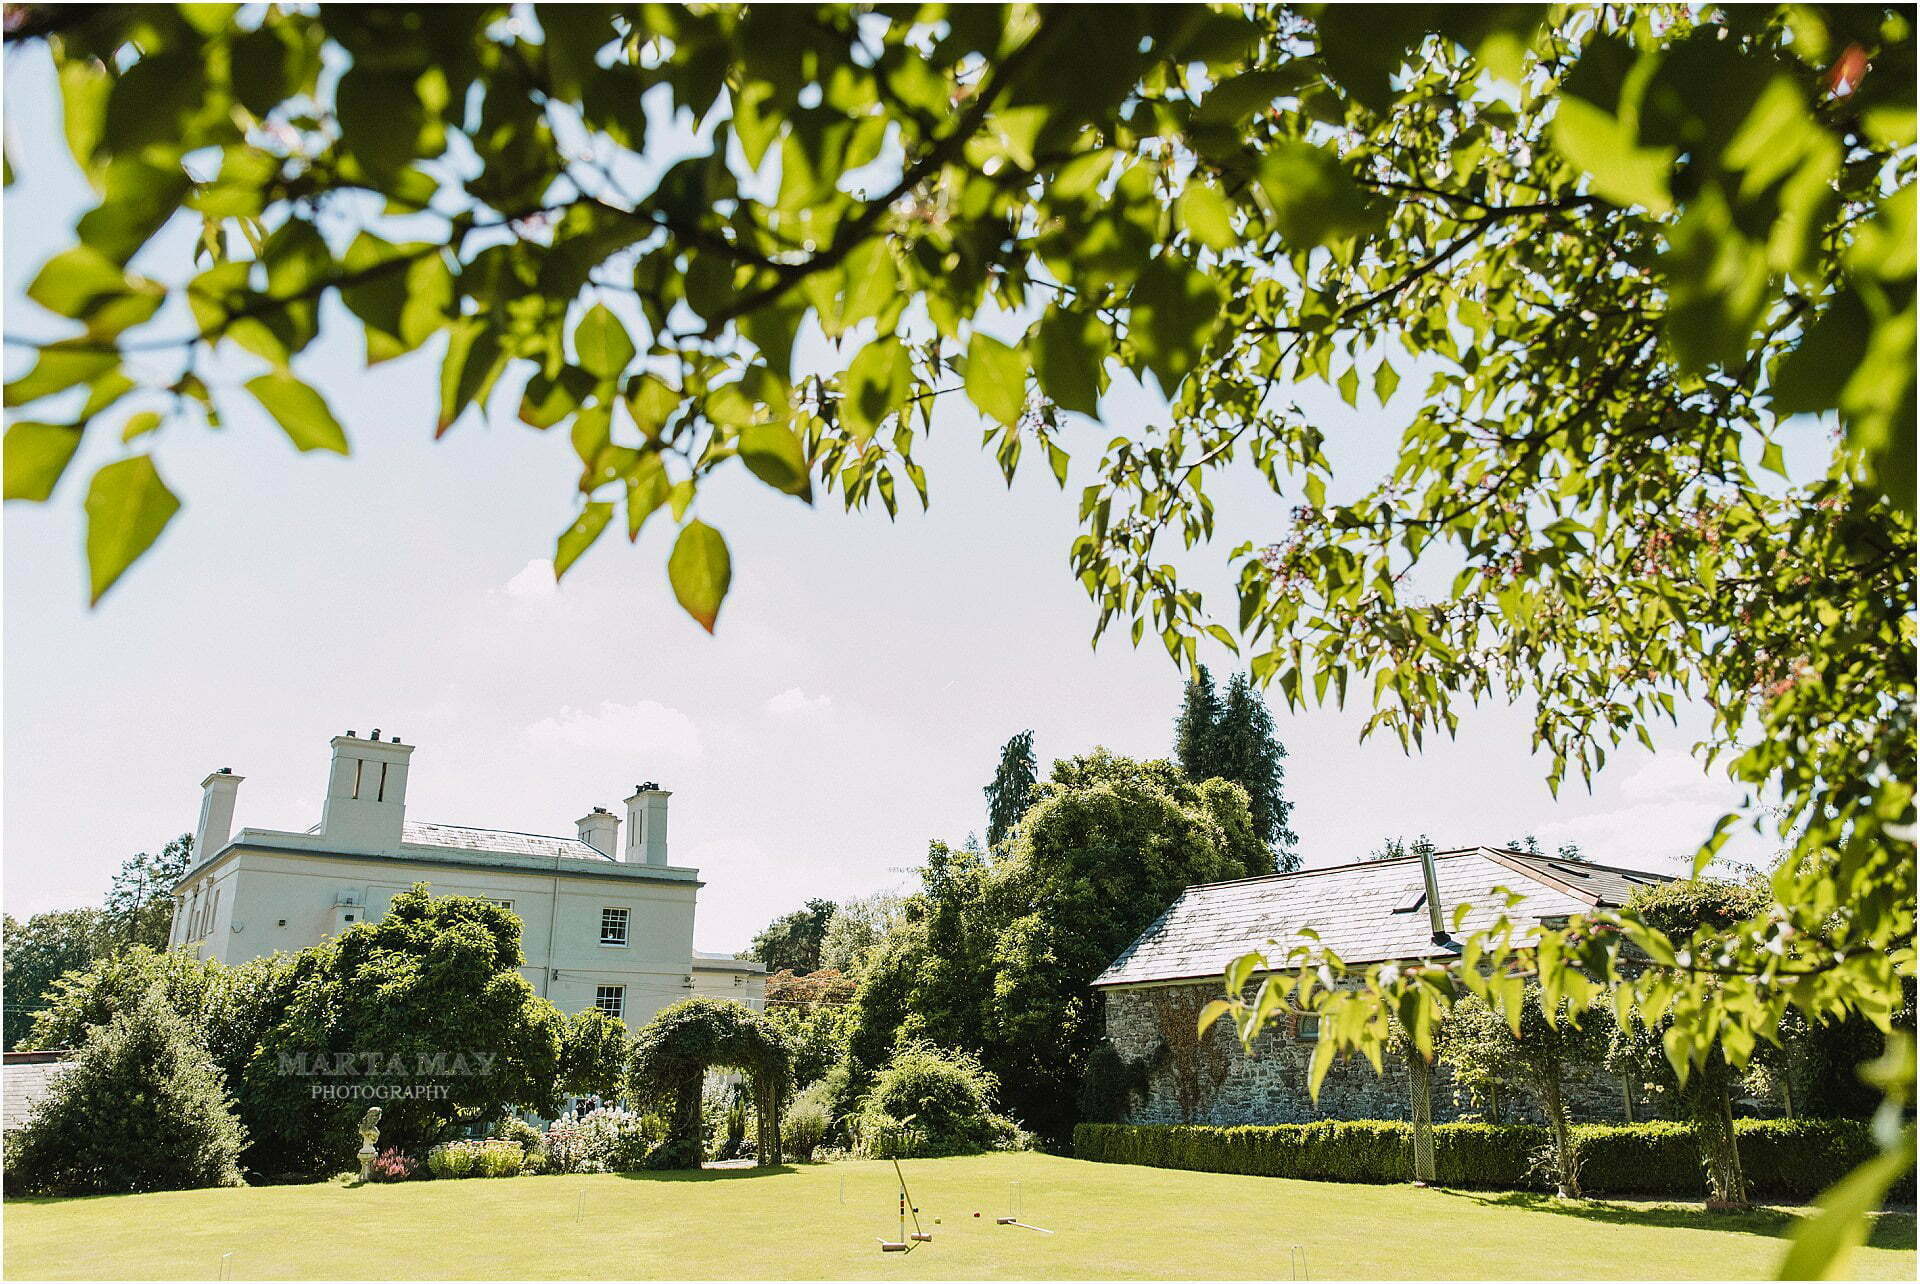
pixel 1783 1160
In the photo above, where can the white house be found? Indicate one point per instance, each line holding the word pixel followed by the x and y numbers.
pixel 602 925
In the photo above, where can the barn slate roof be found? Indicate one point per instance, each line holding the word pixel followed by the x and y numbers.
pixel 27 1076
pixel 1366 913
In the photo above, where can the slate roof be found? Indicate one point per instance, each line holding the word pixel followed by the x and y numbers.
pixel 506 842
pixel 710 961
pixel 467 838
pixel 1366 913
pixel 27 1077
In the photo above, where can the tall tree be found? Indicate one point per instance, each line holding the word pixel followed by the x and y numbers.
pixel 1012 789
pixel 996 953
pixel 856 927
pixel 1232 738
pixel 40 951
pixel 1249 753
pixel 1195 729
pixel 792 942
pixel 140 900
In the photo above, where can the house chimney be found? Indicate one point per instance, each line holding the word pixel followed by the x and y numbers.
pixel 366 794
pixel 600 830
pixel 1434 917
pixel 217 793
pixel 647 824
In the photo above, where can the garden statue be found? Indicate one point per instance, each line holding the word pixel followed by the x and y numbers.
pixel 369 1135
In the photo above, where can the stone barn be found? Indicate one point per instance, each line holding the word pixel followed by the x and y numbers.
pixel 1373 912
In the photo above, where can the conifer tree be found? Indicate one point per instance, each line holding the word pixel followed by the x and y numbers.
pixel 1012 788
pixel 1232 737
pixel 1193 730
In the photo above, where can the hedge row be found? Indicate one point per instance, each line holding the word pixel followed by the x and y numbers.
pixel 1782 1159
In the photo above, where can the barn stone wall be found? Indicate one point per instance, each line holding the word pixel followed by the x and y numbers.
pixel 1213 1081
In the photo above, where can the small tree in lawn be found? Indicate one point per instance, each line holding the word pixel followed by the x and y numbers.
pixel 594 1050
pixel 427 1008
pixel 1691 912
pixel 141 1108
pixel 1482 1046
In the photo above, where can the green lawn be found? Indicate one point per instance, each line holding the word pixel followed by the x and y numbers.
pixel 1108 1221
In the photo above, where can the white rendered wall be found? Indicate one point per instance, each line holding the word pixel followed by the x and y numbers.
pixel 289 901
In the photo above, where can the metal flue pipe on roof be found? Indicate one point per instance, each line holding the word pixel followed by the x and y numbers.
pixel 1434 917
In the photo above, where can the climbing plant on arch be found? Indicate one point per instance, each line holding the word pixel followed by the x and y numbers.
pixel 675 1050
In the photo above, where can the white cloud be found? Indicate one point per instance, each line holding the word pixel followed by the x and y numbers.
pixel 1674 776
pixel 534 581
pixel 645 727
pixel 1666 808
pixel 793 703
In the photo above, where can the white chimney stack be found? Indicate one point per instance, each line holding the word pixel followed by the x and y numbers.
pixel 600 830
pixel 366 793
pixel 647 825
pixel 217 793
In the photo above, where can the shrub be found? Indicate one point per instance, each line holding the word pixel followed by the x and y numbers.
pixel 932 1101
pixel 499 1159
pixel 1788 1160
pixel 141 1108
pixel 518 1131
pixel 453 1159
pixel 392 1164
pixel 807 1121
pixel 603 1140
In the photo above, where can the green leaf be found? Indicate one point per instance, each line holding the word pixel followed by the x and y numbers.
pixel 474 360
pixel 36 455
pixel 774 454
pixel 300 411
pixel 1313 198
pixel 1809 378
pixel 59 367
pixel 1207 216
pixel 139 425
pixel 1603 147
pixel 1175 311
pixel 1825 1240
pixel 381 117
pixel 602 343
pixel 1068 349
pixel 127 508
pixel 545 402
pixel 84 284
pixel 700 572
pixel 579 537
pixel 996 379
pixel 1385 380
pixel 875 385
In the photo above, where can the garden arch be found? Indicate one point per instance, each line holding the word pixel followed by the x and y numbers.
pixel 673 1053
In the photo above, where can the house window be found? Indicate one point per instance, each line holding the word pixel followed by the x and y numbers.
pixel 613 927
pixel 611 999
pixel 1306 1028
pixel 505 905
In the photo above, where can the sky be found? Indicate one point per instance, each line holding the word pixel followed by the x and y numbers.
pixel 849 709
